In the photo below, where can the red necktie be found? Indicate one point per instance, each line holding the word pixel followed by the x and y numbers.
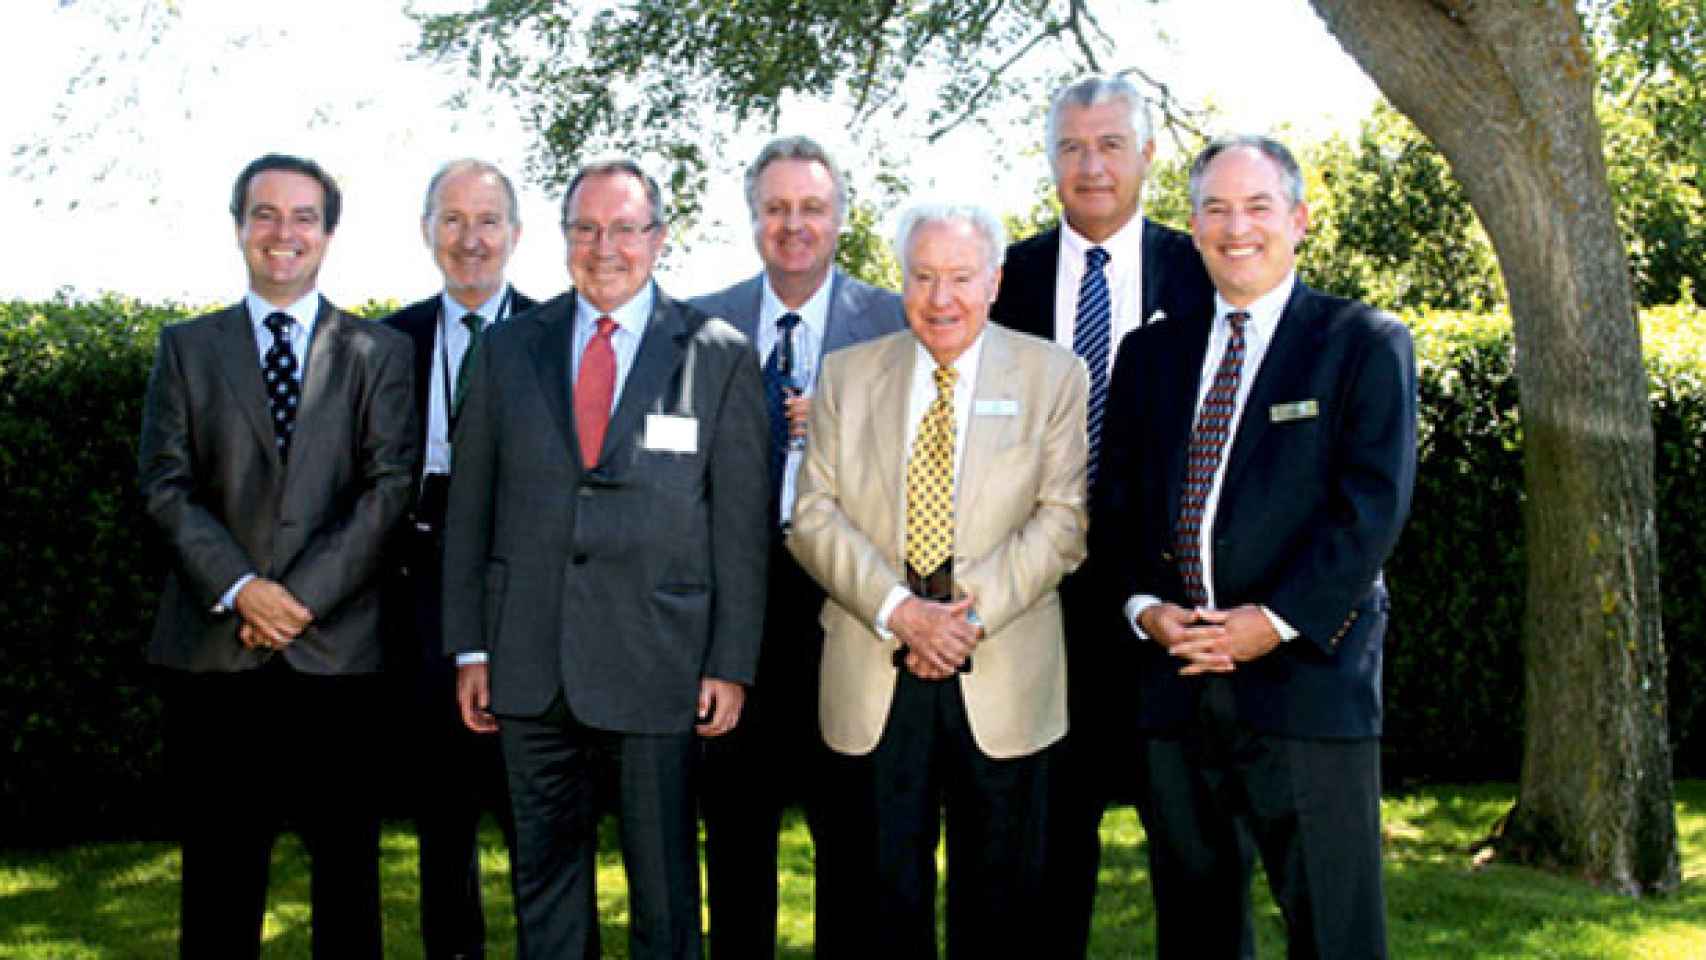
pixel 594 390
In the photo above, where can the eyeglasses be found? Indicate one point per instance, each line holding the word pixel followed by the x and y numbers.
pixel 621 234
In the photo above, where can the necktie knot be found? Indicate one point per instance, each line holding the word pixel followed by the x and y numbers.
pixel 945 378
pixel 474 322
pixel 606 327
pixel 786 323
pixel 1096 258
pixel 280 324
pixel 1238 318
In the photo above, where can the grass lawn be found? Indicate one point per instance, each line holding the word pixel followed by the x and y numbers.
pixel 120 900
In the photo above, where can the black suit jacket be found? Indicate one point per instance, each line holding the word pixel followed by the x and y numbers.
pixel 624 585
pixel 420 321
pixel 1174 280
pixel 1310 508
pixel 1099 651
pixel 414 637
pixel 211 479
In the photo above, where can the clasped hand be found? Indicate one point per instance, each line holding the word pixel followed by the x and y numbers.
pixel 939 637
pixel 272 616
pixel 1210 640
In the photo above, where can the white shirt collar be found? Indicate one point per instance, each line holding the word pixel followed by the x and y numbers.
pixel 1265 310
pixel 814 313
pixel 1124 247
pixel 631 316
pixel 454 310
pixel 302 311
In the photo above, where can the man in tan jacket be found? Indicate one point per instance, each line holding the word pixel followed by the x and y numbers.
pixel 940 503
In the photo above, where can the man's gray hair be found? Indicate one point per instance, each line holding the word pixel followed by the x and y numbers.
pixel 469 165
pixel 1091 91
pixel 605 168
pixel 795 148
pixel 987 225
pixel 1291 175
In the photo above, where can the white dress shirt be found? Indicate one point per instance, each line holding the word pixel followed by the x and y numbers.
pixel 303 313
pixel 1124 271
pixel 631 319
pixel 1259 330
pixel 809 336
pixel 453 337
pixel 919 398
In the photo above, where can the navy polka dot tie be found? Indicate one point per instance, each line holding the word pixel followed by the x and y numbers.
pixel 279 370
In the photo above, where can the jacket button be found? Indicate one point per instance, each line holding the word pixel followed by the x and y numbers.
pixel 578 559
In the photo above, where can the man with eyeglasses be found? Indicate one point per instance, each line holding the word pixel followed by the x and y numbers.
pixel 451 775
pixel 605 552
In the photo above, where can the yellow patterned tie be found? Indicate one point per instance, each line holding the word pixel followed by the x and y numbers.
pixel 930 481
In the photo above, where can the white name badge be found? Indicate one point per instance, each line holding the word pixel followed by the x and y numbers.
pixel 995 408
pixel 666 433
pixel 1296 410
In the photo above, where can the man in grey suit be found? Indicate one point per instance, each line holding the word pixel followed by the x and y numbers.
pixel 799 308
pixel 604 567
pixel 278 450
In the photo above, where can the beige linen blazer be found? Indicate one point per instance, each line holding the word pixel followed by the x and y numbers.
pixel 1019 526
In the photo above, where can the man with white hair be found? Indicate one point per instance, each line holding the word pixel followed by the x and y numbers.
pixel 941 501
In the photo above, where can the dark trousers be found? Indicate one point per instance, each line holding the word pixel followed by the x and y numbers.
pixel 447 776
pixel 1313 809
pixel 252 754
pixel 455 777
pixel 774 758
pixel 553 762
pixel 883 850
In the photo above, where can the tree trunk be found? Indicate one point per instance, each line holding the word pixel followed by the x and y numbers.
pixel 1505 88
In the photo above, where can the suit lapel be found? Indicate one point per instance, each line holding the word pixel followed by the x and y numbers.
pixel 554 343
pixel 1293 343
pixel 998 378
pixel 890 389
pixel 241 367
pixel 325 348
pixel 1180 393
pixel 661 351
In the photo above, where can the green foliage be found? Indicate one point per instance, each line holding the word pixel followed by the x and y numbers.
pixel 81 568
pixel 863 252
pixel 670 81
pixel 1454 679
pixel 81 717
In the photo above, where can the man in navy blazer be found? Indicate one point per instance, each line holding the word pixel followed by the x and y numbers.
pixel 1099 145
pixel 450 774
pixel 277 452
pixel 1255 478
pixel 798 203
pixel 604 568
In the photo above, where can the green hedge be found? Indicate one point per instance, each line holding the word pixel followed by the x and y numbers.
pixel 80 573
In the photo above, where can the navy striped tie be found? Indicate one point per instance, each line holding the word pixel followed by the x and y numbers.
pixel 1208 442
pixel 1090 336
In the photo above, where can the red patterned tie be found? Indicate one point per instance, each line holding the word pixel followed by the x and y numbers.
pixel 594 390
pixel 1208 442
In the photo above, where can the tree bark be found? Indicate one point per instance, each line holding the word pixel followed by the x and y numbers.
pixel 1505 88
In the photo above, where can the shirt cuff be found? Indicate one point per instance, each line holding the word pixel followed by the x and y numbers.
pixel 470 657
pixel 897 595
pixel 1134 608
pixel 228 599
pixel 1285 630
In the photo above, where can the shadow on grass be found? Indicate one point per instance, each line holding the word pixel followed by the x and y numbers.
pixel 120 900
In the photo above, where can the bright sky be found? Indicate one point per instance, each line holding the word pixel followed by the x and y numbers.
pixel 131 194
